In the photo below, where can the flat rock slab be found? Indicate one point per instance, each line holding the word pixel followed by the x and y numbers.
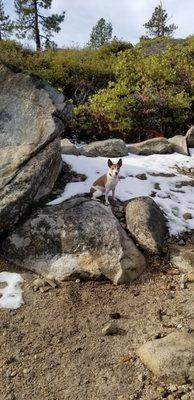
pixel 105 148
pixel 182 257
pixel 179 144
pixel 79 237
pixel 151 146
pixel 170 358
pixel 146 223
pixel 30 125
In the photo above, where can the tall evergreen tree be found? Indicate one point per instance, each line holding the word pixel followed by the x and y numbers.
pixel 157 25
pixel 6 26
pixel 32 22
pixel 101 33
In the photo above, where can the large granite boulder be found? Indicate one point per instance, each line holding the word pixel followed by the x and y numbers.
pixel 31 115
pixel 79 237
pixel 146 223
pixel 170 358
pixel 151 146
pixel 179 144
pixel 105 148
pixel 190 137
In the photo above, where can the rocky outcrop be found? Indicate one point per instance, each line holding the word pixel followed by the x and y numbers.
pixel 105 148
pixel 146 224
pixel 151 146
pixel 190 137
pixel 30 125
pixel 170 358
pixel 68 147
pixel 179 144
pixel 79 237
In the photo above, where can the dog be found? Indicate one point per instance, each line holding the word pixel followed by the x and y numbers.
pixel 107 182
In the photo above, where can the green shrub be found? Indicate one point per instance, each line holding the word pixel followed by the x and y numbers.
pixel 75 72
pixel 152 96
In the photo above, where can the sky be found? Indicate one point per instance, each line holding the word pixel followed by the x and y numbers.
pixel 126 16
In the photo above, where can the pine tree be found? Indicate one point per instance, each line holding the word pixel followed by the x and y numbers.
pixel 6 26
pixel 157 25
pixel 101 33
pixel 33 23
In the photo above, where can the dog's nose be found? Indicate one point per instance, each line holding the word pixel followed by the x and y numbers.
pixel 116 173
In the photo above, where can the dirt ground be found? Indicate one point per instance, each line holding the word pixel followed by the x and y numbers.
pixel 52 348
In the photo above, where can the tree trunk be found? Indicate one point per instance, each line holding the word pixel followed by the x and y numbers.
pixel 36 28
pixel 0 36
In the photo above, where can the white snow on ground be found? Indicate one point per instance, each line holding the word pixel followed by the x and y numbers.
pixel 11 294
pixel 175 201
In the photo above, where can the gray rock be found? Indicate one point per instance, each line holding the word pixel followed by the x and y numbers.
pixel 68 148
pixel 30 126
pixel 105 148
pixel 179 144
pixel 151 146
pixel 182 257
pixel 110 328
pixel 146 224
pixel 34 180
pixel 187 216
pixel 78 238
pixel 170 358
pixel 190 137
pixel 142 177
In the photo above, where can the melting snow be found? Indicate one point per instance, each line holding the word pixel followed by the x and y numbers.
pixel 11 294
pixel 165 170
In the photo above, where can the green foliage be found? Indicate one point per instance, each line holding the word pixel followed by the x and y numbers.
pixel 118 92
pixel 157 25
pixel 114 47
pixel 6 25
pixel 36 25
pixel 75 72
pixel 15 54
pixel 101 33
pixel 152 96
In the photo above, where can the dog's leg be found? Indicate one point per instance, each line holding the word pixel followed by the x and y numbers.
pixel 97 193
pixel 113 194
pixel 106 198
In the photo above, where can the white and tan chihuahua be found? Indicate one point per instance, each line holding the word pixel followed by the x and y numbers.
pixel 107 182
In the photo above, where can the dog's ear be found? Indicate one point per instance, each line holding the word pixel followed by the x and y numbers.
pixel 110 163
pixel 119 163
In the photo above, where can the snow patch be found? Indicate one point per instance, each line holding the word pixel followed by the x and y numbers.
pixel 11 294
pixel 163 183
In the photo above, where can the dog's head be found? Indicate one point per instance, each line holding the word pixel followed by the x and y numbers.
pixel 114 168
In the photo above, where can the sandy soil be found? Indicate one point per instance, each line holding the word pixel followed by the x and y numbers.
pixel 52 348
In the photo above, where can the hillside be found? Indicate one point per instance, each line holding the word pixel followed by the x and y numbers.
pixel 119 91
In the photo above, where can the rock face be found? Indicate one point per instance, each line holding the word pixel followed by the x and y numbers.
pixel 79 237
pixel 179 144
pixel 170 358
pixel 68 148
pixel 146 223
pixel 105 148
pixel 190 137
pixel 182 257
pixel 151 146
pixel 30 127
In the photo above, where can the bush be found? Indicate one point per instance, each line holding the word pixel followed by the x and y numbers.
pixel 152 96
pixel 75 72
